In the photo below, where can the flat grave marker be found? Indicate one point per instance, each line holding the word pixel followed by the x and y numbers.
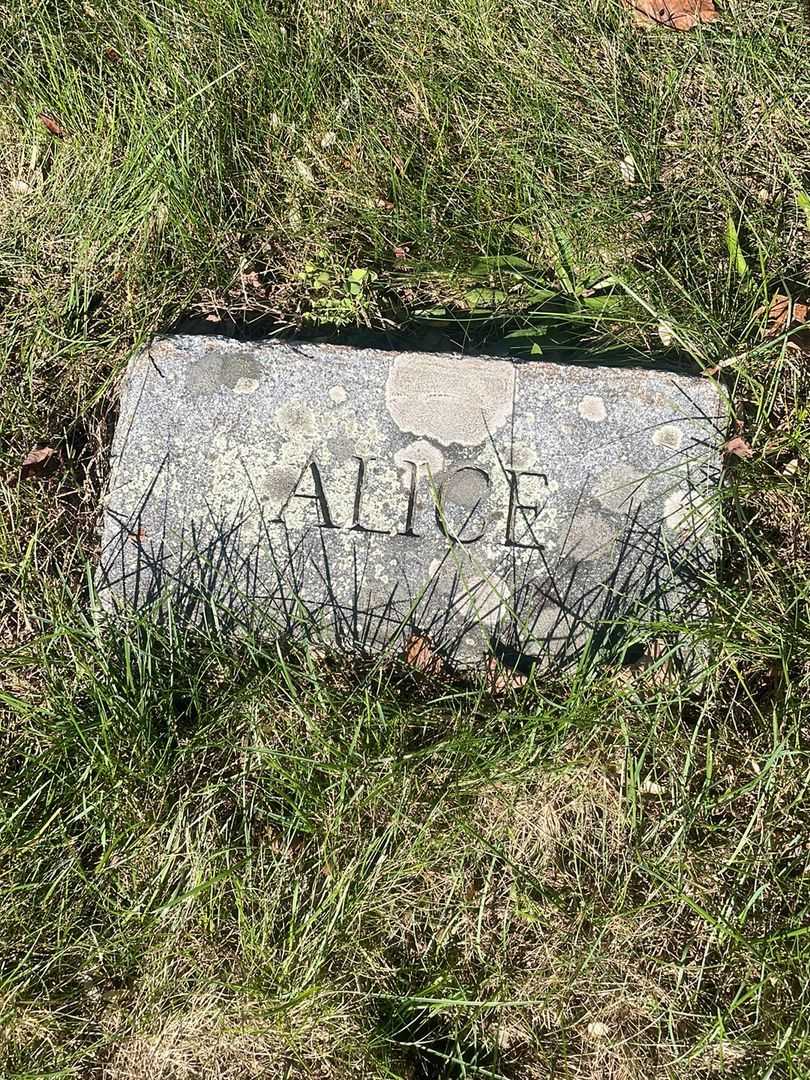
pixel 521 508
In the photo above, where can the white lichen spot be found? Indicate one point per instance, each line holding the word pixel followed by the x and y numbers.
pixel 524 456
pixel 670 435
pixel 620 487
pixel 448 399
pixel 428 459
pixel 245 386
pixel 337 394
pixel 294 418
pixel 592 408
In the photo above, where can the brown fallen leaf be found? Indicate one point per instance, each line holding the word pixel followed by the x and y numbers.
pixel 253 284
pixel 52 125
pixel 113 55
pixel 37 462
pixel 778 312
pixel 420 654
pixel 674 14
pixel 501 679
pixel 783 315
pixel 738 447
pixel 728 361
pixel 596 1030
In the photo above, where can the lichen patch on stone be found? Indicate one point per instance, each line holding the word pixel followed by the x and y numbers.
pixel 589 536
pixel 592 408
pixel 294 418
pixel 619 487
pixel 428 459
pixel 670 435
pixel 676 510
pixel 449 400
pixel 245 386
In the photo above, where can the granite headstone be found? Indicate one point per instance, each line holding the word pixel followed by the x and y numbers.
pixel 523 508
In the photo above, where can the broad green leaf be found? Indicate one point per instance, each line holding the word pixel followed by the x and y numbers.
pixel 735 254
pixel 484 298
pixel 510 264
pixel 527 332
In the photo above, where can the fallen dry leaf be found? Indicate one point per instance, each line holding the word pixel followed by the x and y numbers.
pixel 674 14
pixel 779 311
pixel 597 1030
pixel 52 125
pixel 502 679
pixel 304 171
pixel 627 168
pixel 37 462
pixel 420 654
pixel 785 315
pixel 666 333
pixel 729 361
pixel 113 55
pixel 651 787
pixel 738 447
pixel 253 284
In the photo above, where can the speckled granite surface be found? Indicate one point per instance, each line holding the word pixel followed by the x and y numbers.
pixel 365 495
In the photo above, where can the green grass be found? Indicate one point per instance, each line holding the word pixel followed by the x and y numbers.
pixel 220 859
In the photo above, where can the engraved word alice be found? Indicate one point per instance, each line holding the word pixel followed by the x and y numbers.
pixel 318 497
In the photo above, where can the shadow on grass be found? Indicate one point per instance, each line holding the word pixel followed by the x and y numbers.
pixel 425 1046
pixel 553 335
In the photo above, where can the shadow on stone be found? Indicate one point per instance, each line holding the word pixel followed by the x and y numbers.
pixel 525 510
pixel 286 583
